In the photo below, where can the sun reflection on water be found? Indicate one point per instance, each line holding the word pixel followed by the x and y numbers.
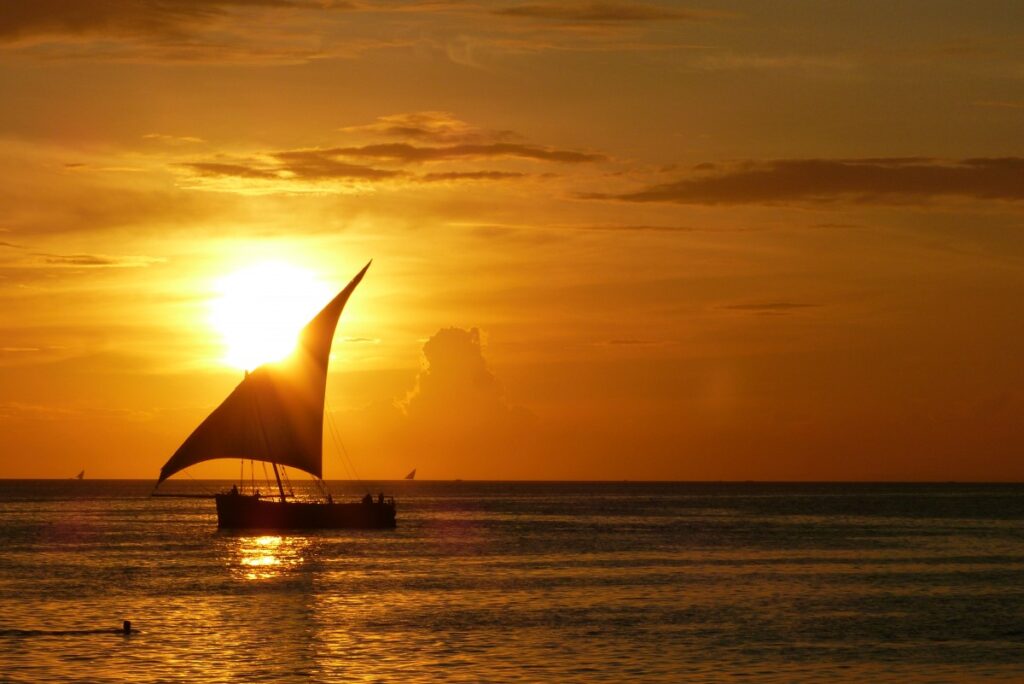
pixel 266 557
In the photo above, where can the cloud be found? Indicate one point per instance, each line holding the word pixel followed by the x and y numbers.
pixel 873 181
pixel 235 170
pixel 470 175
pixel 769 308
pixel 456 416
pixel 318 165
pixel 173 139
pixel 431 127
pixel 456 385
pixel 127 18
pixel 17 410
pixel 206 31
pixel 604 12
pixel 637 228
pixel 406 153
pixel 98 260
pixel 630 342
pixel 1000 104
pixel 302 165
pixel 287 170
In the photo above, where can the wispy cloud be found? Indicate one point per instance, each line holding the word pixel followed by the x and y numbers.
pixel 632 342
pixel 129 18
pixel 637 228
pixel 205 31
pixel 769 308
pixel 471 176
pixel 879 181
pixel 605 12
pixel 98 260
pixel 321 165
pixel 173 139
pixel 290 166
pixel 288 170
pixel 404 152
pixel 431 127
pixel 1000 104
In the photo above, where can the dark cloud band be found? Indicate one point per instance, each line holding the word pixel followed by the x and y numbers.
pixel 879 181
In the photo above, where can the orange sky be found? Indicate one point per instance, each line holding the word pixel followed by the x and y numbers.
pixel 739 240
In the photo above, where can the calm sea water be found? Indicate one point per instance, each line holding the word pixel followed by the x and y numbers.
pixel 521 581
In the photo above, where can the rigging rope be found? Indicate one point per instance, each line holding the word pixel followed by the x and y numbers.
pixel 347 460
pixel 284 476
pixel 201 486
pixel 266 476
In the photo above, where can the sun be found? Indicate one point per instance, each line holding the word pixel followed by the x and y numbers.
pixel 260 309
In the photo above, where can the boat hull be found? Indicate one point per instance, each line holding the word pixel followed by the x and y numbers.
pixel 242 512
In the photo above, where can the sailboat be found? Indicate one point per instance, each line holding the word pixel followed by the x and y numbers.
pixel 275 415
pixel 80 475
pixel 412 475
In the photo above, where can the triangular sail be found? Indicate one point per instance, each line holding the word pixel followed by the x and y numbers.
pixel 276 413
pixel 412 475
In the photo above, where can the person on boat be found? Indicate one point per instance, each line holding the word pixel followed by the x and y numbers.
pixel 234 490
pixel 368 499
pixel 330 499
pixel 380 498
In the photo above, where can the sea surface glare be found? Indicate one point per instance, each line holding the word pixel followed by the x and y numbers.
pixel 533 582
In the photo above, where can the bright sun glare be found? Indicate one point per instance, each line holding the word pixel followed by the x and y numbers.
pixel 260 310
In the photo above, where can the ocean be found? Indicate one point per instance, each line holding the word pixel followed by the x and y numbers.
pixel 534 582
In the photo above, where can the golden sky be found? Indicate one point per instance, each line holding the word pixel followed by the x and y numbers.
pixel 611 240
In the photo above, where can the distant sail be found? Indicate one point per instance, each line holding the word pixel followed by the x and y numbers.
pixel 80 475
pixel 412 475
pixel 276 413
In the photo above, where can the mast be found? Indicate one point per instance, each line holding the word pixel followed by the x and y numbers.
pixel 280 487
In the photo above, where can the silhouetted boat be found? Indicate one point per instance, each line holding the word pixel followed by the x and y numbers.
pixel 412 475
pixel 80 475
pixel 275 415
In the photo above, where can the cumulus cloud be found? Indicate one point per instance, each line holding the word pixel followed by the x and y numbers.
pixel 878 181
pixel 456 383
pixel 456 416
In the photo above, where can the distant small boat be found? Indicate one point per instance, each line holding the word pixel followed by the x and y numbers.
pixel 80 475
pixel 276 415
pixel 412 475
